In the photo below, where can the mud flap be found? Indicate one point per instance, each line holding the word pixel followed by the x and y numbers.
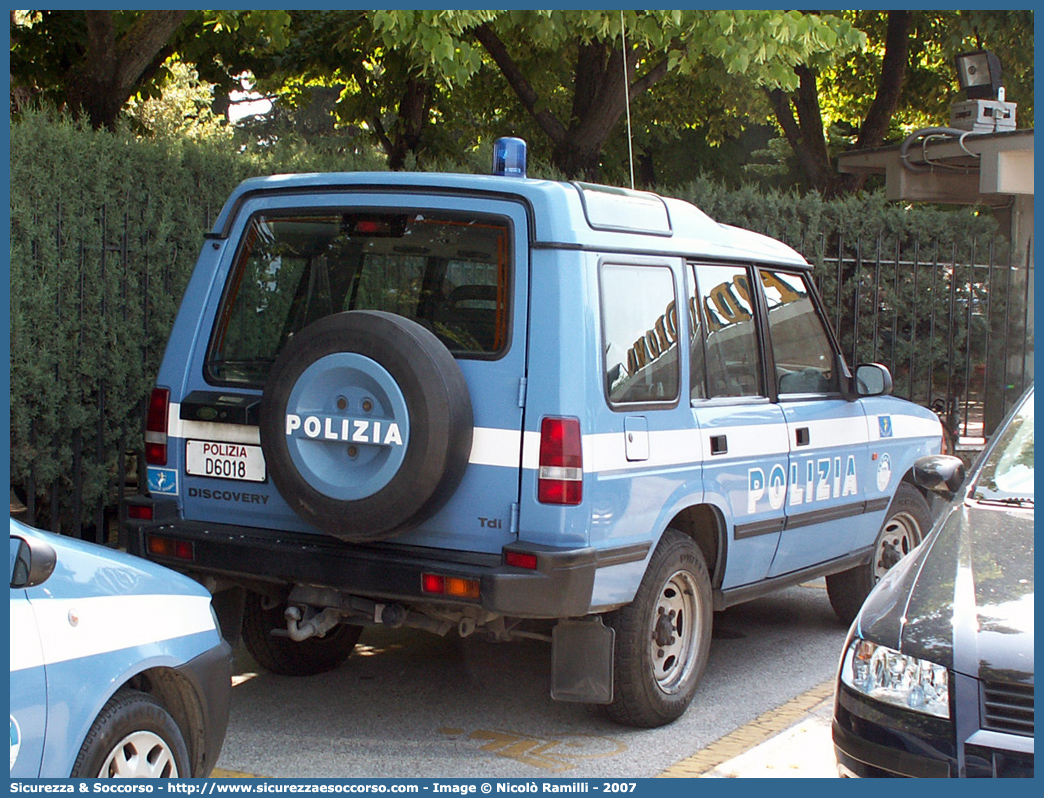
pixel 228 606
pixel 582 661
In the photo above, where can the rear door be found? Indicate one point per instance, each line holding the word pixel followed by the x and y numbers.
pixel 479 517
pixel 826 434
pixel 455 264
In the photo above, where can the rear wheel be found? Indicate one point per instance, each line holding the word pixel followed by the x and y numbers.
pixel 263 619
pixel 906 523
pixel 662 637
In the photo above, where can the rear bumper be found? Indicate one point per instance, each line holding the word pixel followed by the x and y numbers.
pixel 559 586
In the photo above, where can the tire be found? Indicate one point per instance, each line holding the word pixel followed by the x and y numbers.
pixel 133 737
pixel 279 654
pixel 402 384
pixel 906 524
pixel 662 637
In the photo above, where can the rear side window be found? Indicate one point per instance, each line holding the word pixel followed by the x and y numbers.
pixel 731 360
pixel 447 271
pixel 640 331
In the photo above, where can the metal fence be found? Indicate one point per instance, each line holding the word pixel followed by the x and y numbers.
pixel 953 324
pixel 97 297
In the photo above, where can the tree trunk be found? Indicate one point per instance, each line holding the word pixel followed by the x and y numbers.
pixel 889 86
pixel 598 103
pixel 805 133
pixel 413 116
pixel 112 69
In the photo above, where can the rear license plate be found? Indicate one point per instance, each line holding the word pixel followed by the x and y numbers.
pixel 224 461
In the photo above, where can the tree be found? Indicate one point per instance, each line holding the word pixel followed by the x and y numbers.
pixel 425 85
pixel 93 62
pixel 115 63
pixel 390 76
pixel 800 117
pixel 903 79
pixel 567 68
pixel 112 55
pixel 584 51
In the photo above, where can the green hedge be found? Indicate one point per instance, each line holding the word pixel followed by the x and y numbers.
pixel 105 229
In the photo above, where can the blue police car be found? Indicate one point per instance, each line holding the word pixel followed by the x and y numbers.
pixel 936 677
pixel 463 402
pixel 118 668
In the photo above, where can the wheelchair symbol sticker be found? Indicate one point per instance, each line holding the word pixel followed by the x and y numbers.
pixel 163 480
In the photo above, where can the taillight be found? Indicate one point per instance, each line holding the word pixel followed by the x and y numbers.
pixel 561 475
pixel 139 512
pixel 168 547
pixel 520 559
pixel 455 586
pixel 156 427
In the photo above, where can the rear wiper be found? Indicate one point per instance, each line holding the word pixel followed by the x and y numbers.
pixel 1008 501
pixel 244 361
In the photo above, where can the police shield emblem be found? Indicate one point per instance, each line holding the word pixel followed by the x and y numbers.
pixel 884 424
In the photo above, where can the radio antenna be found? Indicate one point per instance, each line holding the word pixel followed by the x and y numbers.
pixel 627 96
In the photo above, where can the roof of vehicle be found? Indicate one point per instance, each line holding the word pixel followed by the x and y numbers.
pixel 617 219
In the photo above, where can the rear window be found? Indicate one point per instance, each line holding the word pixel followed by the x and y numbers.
pixel 447 271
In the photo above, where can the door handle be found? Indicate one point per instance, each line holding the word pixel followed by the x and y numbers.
pixel 719 444
pixel 801 437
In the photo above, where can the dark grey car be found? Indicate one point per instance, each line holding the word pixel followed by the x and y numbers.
pixel 936 678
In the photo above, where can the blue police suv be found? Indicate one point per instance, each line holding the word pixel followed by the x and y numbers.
pixel 461 403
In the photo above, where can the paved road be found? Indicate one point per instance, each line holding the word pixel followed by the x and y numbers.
pixel 408 704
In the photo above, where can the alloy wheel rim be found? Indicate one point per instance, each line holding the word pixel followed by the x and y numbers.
pixel 140 755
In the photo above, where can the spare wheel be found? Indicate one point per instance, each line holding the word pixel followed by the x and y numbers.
pixel 366 424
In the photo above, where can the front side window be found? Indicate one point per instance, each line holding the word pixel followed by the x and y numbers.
pixel 447 271
pixel 640 332
pixel 733 366
pixel 805 361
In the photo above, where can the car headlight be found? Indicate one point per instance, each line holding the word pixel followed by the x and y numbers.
pixel 894 678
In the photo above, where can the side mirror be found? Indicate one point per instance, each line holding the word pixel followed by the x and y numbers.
pixel 872 379
pixel 939 473
pixel 32 562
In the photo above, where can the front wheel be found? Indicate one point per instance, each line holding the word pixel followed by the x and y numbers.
pixel 662 637
pixel 907 522
pixel 134 737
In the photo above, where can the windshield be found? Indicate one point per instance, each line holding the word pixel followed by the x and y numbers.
pixel 1007 474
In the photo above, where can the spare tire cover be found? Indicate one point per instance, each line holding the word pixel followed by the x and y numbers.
pixel 366 424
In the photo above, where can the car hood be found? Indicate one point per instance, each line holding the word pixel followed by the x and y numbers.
pixel 86 569
pixel 965 600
